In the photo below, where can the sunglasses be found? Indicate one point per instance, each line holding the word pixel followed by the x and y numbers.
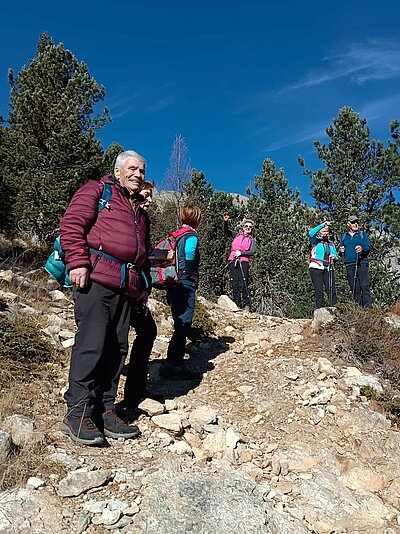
pixel 353 222
pixel 248 226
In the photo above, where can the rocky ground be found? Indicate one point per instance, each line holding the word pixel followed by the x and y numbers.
pixel 275 438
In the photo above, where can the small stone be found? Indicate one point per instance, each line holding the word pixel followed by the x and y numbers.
pixel 80 481
pixel 170 404
pixel 326 367
pixel 6 446
pixel 21 428
pixel 57 295
pixel 169 422
pixel 256 419
pixel 82 523
pixel 180 448
pixel 227 304
pixel 152 407
pixel 68 343
pixel 203 415
pixel 35 483
pixel 245 389
pixel 232 438
pixel 145 454
pixel 353 372
pixel 292 376
pixel 132 510
pixel 229 329
pixel 108 517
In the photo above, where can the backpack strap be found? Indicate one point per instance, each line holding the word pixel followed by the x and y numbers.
pixel 105 197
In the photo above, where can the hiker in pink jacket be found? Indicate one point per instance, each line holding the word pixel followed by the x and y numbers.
pixel 242 248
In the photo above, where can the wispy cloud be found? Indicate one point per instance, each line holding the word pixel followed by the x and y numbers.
pixel 381 108
pixel 306 135
pixel 143 101
pixel 359 62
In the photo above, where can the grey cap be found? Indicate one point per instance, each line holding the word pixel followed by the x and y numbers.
pixel 352 219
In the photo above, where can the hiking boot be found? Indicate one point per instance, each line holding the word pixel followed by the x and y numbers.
pixel 114 427
pixel 82 430
pixel 179 372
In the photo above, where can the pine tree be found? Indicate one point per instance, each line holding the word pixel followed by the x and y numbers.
pixel 109 158
pixel 214 245
pixel 359 177
pixel 279 279
pixel 53 149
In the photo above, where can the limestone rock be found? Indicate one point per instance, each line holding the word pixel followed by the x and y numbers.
pixel 215 443
pixel 80 481
pixel 152 407
pixel 322 318
pixel 227 304
pixel 326 367
pixel 21 428
pixel 203 415
pixel 6 446
pixel 232 438
pixel 219 500
pixel 57 295
pixel 35 483
pixel 169 422
pixel 180 448
pixel 356 477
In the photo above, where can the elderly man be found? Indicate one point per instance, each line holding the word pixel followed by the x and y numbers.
pixel 106 254
pixel 355 247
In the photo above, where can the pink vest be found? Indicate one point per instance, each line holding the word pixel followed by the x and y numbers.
pixel 241 242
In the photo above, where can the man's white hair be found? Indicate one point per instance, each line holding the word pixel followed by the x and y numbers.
pixel 128 154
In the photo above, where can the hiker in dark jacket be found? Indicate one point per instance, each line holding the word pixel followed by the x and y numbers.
pixel 106 254
pixel 355 247
pixel 181 296
pixel 321 268
pixel 135 389
pixel 242 248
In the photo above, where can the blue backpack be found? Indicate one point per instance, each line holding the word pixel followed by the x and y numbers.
pixel 55 264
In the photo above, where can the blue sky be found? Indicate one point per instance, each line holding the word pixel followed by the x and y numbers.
pixel 241 81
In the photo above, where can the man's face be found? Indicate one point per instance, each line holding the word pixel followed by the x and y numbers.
pixel 352 226
pixel 131 174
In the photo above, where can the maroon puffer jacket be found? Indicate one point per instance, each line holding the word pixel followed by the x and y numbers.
pixel 119 231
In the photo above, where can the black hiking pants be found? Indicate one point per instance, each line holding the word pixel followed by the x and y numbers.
pixel 361 291
pixel 239 275
pixel 102 316
pixel 136 378
pixel 321 278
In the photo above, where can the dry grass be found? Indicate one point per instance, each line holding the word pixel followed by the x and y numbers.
pixel 31 459
pixel 365 339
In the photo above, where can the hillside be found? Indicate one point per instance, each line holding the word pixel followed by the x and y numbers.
pixel 276 438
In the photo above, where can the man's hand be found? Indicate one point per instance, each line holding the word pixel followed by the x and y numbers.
pixel 237 253
pixel 226 217
pixel 79 277
pixel 331 258
pixel 358 249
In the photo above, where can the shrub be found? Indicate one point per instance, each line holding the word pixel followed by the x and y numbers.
pixel 203 325
pixel 23 349
pixel 364 337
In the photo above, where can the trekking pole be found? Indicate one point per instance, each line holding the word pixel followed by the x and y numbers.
pixel 244 282
pixel 224 267
pixel 355 276
pixel 331 284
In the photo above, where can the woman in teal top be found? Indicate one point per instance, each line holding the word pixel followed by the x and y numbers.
pixel 323 254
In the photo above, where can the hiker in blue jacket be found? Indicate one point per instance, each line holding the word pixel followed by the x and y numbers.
pixel 355 247
pixel 321 268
